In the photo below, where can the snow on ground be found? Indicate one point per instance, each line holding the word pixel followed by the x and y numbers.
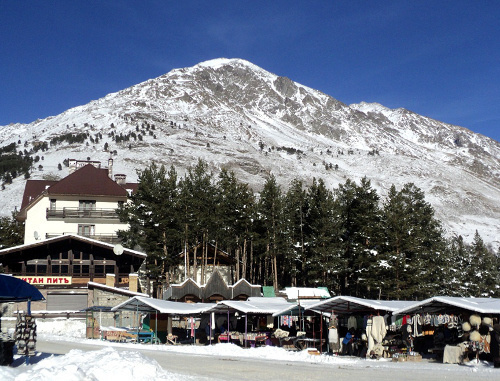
pixel 61 327
pixel 77 365
pixel 108 363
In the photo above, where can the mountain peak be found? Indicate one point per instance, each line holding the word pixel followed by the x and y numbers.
pixel 218 62
pixel 236 115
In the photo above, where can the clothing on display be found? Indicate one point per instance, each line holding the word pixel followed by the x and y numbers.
pixel 25 335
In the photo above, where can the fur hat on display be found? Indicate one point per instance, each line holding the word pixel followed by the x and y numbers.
pixel 475 320
pixel 466 327
pixel 475 336
pixel 487 321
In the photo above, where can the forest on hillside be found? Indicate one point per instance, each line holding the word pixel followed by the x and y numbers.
pixel 347 239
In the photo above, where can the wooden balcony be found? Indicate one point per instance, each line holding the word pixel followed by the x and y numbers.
pixel 62 213
pixel 108 238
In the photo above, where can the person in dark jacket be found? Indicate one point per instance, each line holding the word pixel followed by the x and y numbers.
pixel 348 343
pixel 495 345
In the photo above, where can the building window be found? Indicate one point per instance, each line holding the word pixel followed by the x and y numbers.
pixel 102 270
pixel 36 267
pixel 87 204
pixel 52 203
pixel 86 230
pixel 81 269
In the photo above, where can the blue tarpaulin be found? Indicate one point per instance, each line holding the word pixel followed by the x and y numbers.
pixel 17 290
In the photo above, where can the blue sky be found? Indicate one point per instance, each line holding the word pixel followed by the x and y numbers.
pixel 437 58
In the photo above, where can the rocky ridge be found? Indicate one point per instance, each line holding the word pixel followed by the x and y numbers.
pixel 234 114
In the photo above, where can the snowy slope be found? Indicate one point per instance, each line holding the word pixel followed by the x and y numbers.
pixel 234 114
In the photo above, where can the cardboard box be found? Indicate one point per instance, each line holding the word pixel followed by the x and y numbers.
pixel 415 358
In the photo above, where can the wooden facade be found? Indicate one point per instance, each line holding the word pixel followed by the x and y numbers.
pixel 72 256
pixel 215 289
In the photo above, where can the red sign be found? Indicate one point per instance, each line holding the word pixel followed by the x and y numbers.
pixel 59 280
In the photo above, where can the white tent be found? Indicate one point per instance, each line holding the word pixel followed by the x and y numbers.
pixel 254 305
pixel 351 305
pixel 151 305
pixel 451 304
pixel 295 308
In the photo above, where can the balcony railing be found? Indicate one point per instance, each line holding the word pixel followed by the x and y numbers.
pixel 81 213
pixel 108 238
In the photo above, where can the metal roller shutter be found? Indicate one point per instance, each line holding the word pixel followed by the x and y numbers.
pixel 66 301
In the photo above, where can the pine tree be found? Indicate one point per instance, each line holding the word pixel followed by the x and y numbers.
pixel 482 274
pixel 7 178
pixel 414 244
pixel 269 215
pixel 152 215
pixel 360 235
pixel 294 254
pixel 324 263
pixel 234 208
pixel 197 194
pixel 11 231
pixel 456 259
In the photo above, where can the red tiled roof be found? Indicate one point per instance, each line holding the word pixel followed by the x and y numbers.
pixel 33 189
pixel 132 186
pixel 89 181
pixel 86 181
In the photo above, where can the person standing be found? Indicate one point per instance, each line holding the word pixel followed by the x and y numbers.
pixel 495 345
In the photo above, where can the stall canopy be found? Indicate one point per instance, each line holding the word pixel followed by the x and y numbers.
pixel 254 305
pixel 17 290
pixel 298 308
pixel 151 305
pixel 352 305
pixel 452 304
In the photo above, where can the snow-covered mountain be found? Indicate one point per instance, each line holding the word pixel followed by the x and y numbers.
pixel 234 114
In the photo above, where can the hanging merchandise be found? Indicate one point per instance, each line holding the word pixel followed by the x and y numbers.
pixel 417 325
pixel 352 322
pixel 475 320
pixel 427 319
pixel 25 335
pixel 453 321
pixel 371 343
pixel 379 329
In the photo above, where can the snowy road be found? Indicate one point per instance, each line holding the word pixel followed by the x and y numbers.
pixel 240 368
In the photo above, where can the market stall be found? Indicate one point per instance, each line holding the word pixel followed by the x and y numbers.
pixel 309 332
pixel 255 331
pixel 161 310
pixel 360 326
pixel 453 328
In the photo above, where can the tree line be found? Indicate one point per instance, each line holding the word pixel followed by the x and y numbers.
pixel 345 238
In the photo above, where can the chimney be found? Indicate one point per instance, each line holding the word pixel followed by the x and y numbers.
pixel 110 168
pixel 72 165
pixel 110 280
pixel 132 282
pixel 121 179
